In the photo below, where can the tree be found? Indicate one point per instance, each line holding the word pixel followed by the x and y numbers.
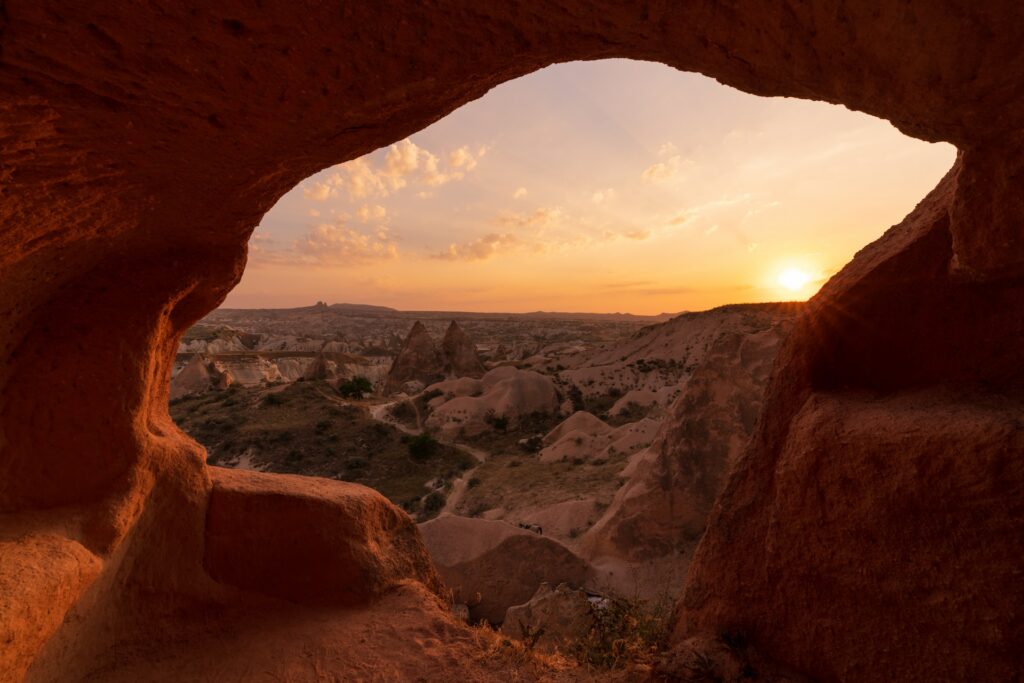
pixel 357 387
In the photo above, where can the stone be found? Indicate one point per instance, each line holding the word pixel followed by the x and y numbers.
pixel 419 361
pixel 309 540
pixel 493 565
pixel 460 357
pixel 552 618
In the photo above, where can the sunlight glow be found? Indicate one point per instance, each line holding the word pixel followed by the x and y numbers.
pixel 794 279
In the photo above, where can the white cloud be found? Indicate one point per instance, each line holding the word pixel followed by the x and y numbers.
pixel 519 193
pixel 538 220
pixel 601 196
pixel 481 248
pixel 367 213
pixel 319 192
pixel 662 171
pixel 462 158
pixel 338 244
pixel 327 244
pixel 667 149
pixel 404 164
pixel 313 213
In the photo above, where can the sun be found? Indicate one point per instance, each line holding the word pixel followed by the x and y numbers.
pixel 794 279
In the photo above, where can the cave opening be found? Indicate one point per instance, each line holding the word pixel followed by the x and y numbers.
pixel 512 303
pixel 142 143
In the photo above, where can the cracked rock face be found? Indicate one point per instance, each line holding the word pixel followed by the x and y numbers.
pixel 141 143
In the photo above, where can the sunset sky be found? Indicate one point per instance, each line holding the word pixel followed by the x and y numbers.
pixel 602 186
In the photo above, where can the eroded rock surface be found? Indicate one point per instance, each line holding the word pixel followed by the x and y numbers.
pixel 309 540
pixel 491 566
pixel 140 143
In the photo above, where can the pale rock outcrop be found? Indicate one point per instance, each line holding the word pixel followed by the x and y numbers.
pixel 583 436
pixel 506 392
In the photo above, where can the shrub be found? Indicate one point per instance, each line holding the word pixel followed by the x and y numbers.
pixel 357 387
pixel 623 631
pixel 274 399
pixel 473 482
pixel 499 422
pixel 356 463
pixel 422 447
pixel 433 503
pixel 322 426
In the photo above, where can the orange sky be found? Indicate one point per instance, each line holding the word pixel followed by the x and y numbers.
pixel 601 186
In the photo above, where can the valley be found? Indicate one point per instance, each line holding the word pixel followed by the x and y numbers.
pixel 585 450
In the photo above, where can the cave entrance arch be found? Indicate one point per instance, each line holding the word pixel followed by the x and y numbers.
pixel 136 167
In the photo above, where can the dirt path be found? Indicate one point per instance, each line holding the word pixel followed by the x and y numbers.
pixel 381 413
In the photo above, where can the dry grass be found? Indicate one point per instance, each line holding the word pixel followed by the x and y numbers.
pixel 306 428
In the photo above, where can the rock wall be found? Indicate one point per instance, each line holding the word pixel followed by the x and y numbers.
pixel 874 529
pixel 140 143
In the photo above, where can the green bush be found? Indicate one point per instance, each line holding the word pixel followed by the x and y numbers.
pixel 357 387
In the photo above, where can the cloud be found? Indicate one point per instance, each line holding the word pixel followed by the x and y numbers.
pixel 482 248
pixel 519 193
pixel 462 158
pixel 662 171
pixel 367 213
pixel 405 164
pixel 538 220
pixel 541 231
pixel 337 244
pixel 313 213
pixel 327 244
pixel 605 195
pixel 319 192
pixel 667 149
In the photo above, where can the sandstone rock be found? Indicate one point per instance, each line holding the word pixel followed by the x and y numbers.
pixel 506 392
pixel 309 540
pixel 124 210
pixel 889 442
pixel 460 357
pixel 662 510
pixel 321 369
pixel 585 437
pixel 419 360
pixel 194 378
pixel 557 617
pixel 503 563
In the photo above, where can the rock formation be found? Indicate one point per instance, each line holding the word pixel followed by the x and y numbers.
pixel 492 566
pixel 504 392
pixel 419 361
pixel 661 512
pixel 459 351
pixel 557 616
pixel 140 144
